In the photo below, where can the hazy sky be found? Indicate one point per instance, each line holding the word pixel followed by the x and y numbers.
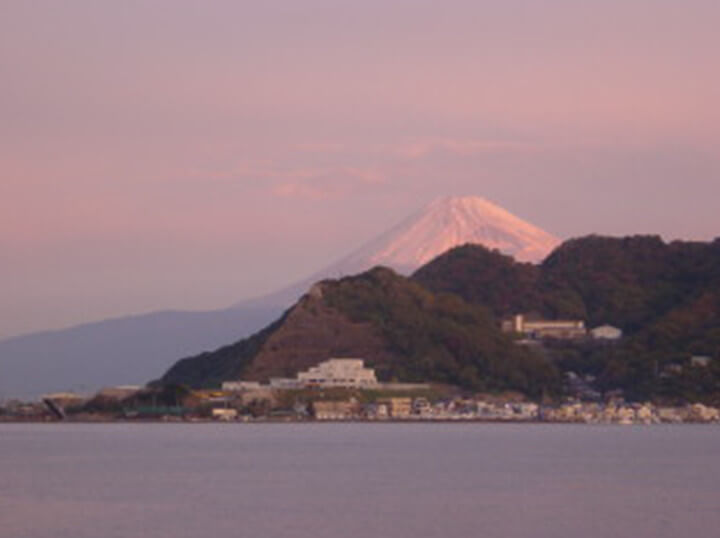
pixel 185 154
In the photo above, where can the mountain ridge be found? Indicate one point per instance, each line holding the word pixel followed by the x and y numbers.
pixel 664 296
pixel 89 356
pixel 443 323
pixel 444 223
pixel 401 329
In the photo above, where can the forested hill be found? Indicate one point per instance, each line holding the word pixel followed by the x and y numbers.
pixel 442 324
pixel 665 296
pixel 628 282
pixel 403 330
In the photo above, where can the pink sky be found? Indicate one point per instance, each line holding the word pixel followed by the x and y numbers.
pixel 188 154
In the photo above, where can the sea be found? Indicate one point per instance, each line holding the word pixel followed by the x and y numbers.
pixel 358 480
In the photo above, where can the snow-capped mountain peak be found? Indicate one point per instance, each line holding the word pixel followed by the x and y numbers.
pixel 447 223
pixel 441 225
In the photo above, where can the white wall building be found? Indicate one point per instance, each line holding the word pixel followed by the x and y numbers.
pixel 701 361
pixel 339 373
pixel 238 386
pixel 606 332
pixel 285 383
pixel 565 329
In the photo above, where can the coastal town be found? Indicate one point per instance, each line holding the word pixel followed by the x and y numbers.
pixel 340 389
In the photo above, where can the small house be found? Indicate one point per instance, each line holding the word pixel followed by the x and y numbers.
pixel 606 332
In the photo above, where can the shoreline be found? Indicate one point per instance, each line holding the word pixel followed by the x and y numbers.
pixel 354 421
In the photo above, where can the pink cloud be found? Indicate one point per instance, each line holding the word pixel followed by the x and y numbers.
pixel 320 147
pixel 324 183
pixel 298 189
pixel 420 148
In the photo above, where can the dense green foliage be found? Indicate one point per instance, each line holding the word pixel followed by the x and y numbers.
pixel 440 337
pixel 484 277
pixel 442 325
pixel 665 297
pixel 425 337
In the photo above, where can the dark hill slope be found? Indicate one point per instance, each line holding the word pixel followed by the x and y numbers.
pixel 400 328
pixel 627 282
pixel 666 297
pixel 484 277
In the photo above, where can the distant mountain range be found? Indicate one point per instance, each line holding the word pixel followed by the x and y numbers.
pixel 443 323
pixel 118 351
pixel 136 348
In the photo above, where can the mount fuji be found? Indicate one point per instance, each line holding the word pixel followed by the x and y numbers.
pixel 447 223
pixel 137 348
pixel 441 225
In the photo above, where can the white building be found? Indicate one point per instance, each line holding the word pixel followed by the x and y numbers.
pixel 284 383
pixel 224 414
pixel 700 361
pixel 606 332
pixel 564 329
pixel 339 373
pixel 239 386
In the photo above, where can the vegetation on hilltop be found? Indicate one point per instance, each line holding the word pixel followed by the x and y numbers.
pixel 483 277
pixel 442 324
pixel 665 297
pixel 439 336
pixel 403 330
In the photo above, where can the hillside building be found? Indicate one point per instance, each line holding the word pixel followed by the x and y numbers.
pixel 538 329
pixel 239 386
pixel 346 373
pixel 606 332
pixel 285 383
pixel 339 373
pixel 700 361
pixel 332 373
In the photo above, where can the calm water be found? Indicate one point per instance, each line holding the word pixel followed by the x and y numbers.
pixel 358 480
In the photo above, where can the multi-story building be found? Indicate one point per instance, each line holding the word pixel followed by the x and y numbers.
pixel 238 386
pixel 339 373
pixel 564 329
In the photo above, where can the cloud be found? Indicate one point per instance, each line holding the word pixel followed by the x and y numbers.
pixel 325 177
pixel 297 189
pixel 320 147
pixel 325 183
pixel 463 147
